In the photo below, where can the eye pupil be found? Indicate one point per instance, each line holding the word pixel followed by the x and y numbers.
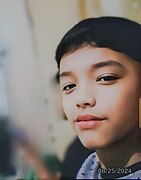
pixel 108 78
pixel 68 87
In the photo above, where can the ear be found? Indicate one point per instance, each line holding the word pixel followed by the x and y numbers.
pixel 140 112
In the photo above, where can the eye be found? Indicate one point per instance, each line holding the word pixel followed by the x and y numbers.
pixel 107 79
pixel 68 88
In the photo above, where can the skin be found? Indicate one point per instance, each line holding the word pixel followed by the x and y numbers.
pixel 110 91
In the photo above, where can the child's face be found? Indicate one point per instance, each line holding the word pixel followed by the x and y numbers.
pixel 100 90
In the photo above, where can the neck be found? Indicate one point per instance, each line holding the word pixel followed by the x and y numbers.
pixel 124 153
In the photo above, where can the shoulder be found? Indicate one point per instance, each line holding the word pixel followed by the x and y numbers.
pixel 89 168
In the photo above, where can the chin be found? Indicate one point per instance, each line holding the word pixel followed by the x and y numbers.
pixel 94 146
pixel 90 143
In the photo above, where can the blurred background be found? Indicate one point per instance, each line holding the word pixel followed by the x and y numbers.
pixel 30 31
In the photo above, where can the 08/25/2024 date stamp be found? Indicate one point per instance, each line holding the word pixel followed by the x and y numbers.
pixel 115 170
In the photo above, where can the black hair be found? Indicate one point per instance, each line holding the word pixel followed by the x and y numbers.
pixel 56 77
pixel 116 33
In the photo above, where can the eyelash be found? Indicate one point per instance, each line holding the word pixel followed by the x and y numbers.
pixel 107 79
pixel 70 86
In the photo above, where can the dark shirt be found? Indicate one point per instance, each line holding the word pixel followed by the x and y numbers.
pixel 75 155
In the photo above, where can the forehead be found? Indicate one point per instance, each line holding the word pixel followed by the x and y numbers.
pixel 86 56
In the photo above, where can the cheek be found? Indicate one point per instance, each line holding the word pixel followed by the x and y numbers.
pixel 68 107
pixel 121 102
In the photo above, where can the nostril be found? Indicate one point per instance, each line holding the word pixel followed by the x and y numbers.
pixel 84 105
pixel 87 104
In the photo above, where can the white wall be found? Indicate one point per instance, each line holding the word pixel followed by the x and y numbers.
pixel 111 8
pixel 50 20
pixel 22 72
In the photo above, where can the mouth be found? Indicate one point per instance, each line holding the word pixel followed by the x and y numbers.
pixel 88 121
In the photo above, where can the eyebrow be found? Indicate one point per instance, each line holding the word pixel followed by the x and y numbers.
pixel 107 63
pixel 65 74
pixel 96 66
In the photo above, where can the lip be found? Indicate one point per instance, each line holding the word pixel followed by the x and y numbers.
pixel 87 117
pixel 88 121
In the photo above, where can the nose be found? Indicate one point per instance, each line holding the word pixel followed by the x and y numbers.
pixel 85 98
